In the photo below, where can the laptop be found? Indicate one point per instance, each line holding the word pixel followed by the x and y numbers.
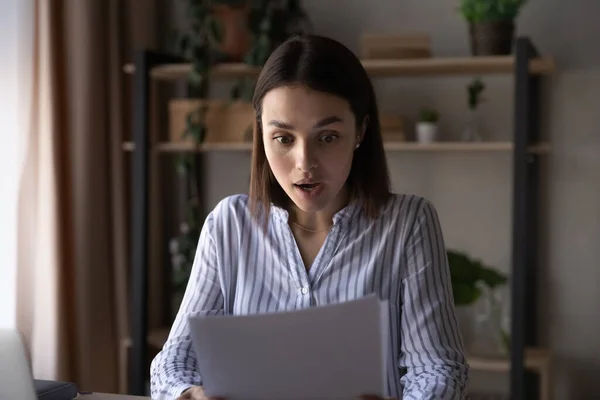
pixel 16 380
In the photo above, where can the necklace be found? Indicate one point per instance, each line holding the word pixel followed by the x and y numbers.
pixel 310 230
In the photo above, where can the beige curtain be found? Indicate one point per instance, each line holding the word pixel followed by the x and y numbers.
pixel 73 211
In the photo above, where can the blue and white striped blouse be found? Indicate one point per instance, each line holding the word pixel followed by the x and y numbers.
pixel 242 269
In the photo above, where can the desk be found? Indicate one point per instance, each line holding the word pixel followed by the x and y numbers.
pixel 106 396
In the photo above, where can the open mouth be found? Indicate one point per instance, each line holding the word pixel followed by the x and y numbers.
pixel 309 187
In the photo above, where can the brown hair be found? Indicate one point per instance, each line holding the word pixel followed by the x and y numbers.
pixel 325 65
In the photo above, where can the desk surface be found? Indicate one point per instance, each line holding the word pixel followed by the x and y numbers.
pixel 106 396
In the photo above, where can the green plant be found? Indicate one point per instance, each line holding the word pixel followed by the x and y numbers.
pixel 474 90
pixel 490 10
pixel 183 249
pixel 197 43
pixel 269 23
pixel 467 274
pixel 428 115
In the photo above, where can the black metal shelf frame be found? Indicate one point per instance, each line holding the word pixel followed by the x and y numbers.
pixel 524 218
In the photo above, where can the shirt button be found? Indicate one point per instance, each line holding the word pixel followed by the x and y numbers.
pixel 304 290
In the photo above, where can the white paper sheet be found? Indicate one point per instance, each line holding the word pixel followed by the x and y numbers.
pixel 330 352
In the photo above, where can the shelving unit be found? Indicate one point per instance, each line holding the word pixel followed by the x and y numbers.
pixel 535 359
pixel 540 148
pixel 378 68
pixel 525 65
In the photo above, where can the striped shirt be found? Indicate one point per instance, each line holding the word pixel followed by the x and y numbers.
pixel 240 268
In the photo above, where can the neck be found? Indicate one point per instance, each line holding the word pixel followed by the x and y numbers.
pixel 318 221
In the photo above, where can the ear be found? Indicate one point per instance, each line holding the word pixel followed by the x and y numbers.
pixel 360 134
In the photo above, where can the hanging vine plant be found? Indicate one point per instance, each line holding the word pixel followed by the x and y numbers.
pixel 196 45
pixel 221 31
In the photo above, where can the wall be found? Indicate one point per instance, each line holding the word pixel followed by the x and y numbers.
pixel 16 46
pixel 473 191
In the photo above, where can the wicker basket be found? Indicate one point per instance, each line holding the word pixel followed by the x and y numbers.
pixel 225 122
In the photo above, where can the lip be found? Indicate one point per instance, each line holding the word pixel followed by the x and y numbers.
pixel 307 182
pixel 312 194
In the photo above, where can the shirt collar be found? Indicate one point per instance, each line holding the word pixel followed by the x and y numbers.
pixel 341 217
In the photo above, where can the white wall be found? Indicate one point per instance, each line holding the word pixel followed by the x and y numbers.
pixel 15 43
pixel 473 191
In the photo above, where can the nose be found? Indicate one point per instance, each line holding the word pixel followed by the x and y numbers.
pixel 306 159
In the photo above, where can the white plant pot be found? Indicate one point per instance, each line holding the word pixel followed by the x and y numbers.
pixel 427 132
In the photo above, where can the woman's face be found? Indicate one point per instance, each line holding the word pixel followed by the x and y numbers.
pixel 309 140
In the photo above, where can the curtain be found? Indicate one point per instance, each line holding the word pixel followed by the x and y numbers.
pixel 72 294
pixel 38 257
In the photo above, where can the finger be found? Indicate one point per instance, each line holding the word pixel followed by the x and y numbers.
pixel 188 395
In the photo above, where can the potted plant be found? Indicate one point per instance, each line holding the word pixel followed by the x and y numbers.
pixel 270 23
pixel 225 31
pixel 467 274
pixel 474 90
pixel 219 31
pixel 230 30
pixel 427 126
pixel 473 281
pixel 242 30
pixel 491 24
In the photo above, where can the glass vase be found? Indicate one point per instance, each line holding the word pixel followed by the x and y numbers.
pixel 490 333
pixel 471 131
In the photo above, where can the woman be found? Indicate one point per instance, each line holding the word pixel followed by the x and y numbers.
pixel 320 226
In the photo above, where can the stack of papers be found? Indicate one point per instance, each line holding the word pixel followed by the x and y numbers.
pixel 330 352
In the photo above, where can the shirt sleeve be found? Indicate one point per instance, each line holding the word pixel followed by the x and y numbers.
pixel 431 347
pixel 174 368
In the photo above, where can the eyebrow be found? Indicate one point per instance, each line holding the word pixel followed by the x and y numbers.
pixel 320 124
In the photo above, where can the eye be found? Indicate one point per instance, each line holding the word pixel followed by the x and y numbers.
pixel 283 139
pixel 329 138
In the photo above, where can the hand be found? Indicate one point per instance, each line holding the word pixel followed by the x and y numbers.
pixel 196 393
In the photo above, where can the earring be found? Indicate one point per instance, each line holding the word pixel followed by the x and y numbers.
pixel 358 142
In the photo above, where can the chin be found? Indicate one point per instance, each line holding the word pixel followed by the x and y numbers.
pixel 311 205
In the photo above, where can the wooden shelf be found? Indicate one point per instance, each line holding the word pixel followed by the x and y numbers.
pixel 156 338
pixel 462 147
pixel 455 66
pixel 171 72
pixel 174 147
pixel 536 359
pixel 379 68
